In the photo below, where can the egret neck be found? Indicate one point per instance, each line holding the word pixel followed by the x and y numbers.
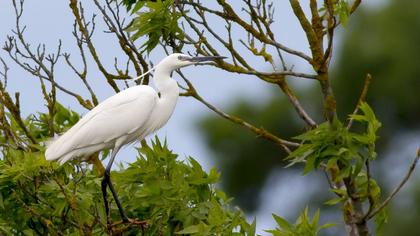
pixel 169 93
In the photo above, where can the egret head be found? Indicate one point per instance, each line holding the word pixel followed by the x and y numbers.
pixel 179 60
pixel 176 61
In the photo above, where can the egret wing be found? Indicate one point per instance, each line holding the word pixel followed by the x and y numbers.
pixel 117 116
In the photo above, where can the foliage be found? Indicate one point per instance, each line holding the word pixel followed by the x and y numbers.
pixel 344 153
pixel 175 197
pixel 158 22
pixel 341 8
pixel 303 225
pixel 178 198
pixel 335 144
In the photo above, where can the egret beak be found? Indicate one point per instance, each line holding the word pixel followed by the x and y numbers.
pixel 208 58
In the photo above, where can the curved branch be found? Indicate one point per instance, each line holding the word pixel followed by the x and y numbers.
pixel 396 189
pixel 260 132
pixel 296 104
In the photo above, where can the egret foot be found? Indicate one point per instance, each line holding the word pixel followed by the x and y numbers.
pixel 121 226
pixel 142 223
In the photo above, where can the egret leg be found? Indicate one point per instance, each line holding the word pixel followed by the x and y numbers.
pixel 106 181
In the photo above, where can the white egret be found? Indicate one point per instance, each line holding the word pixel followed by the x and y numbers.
pixel 123 118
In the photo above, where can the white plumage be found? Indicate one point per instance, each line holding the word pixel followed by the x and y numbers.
pixel 128 116
pixel 114 120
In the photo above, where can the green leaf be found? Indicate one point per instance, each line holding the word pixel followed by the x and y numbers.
pixel 339 191
pixel 282 222
pixel 334 201
pixel 343 11
pixel 357 167
pixel 138 6
pixel 303 225
pixel 315 219
pixel 190 230
pixel 252 228
pixel 380 219
pixel 310 164
pixel 328 225
pixel 28 232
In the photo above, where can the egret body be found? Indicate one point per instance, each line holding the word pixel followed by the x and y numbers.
pixel 126 117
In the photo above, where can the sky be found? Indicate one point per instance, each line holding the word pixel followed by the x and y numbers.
pixel 50 20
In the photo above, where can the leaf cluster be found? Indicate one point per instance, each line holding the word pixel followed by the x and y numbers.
pixel 346 154
pixel 177 197
pixel 173 196
pixel 341 8
pixel 333 144
pixel 303 226
pixel 158 22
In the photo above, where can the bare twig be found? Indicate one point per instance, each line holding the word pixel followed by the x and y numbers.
pixel 396 189
pixel 296 104
pixel 230 14
pixel 362 98
pixel 260 132
pixel 78 13
pixel 116 26
pixel 4 72
pixel 83 73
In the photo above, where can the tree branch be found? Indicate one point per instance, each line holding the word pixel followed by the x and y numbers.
pixel 396 189
pixel 362 98
pixel 78 14
pixel 260 132
pixel 296 104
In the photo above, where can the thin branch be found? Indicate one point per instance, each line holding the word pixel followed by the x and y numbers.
pixel 296 104
pixel 36 71
pixel 78 13
pixel 396 189
pixel 260 132
pixel 229 14
pixel 115 24
pixel 271 77
pixel 356 4
pixel 332 24
pixel 362 98
pixel 4 72
pixel 370 197
pixel 83 73
pixel 313 40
